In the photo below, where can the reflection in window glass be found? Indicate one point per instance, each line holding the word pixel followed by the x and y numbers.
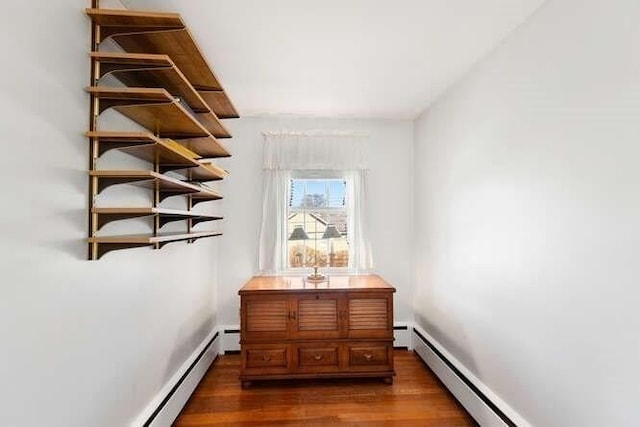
pixel 318 207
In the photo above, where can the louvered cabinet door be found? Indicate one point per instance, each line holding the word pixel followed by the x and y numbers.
pixel 264 318
pixel 317 315
pixel 370 316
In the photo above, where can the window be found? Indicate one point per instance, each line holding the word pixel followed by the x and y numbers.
pixel 314 202
pixel 317 221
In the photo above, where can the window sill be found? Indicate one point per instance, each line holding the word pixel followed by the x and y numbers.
pixel 307 270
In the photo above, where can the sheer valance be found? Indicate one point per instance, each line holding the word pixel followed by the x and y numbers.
pixel 336 150
pixel 289 152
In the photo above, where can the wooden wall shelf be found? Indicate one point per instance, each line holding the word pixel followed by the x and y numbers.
pixel 166 185
pixel 206 172
pixel 107 215
pixel 170 90
pixel 158 111
pixel 202 174
pixel 159 71
pixel 155 150
pixel 163 33
pixel 104 244
pixel 150 70
pixel 219 103
pixel 143 146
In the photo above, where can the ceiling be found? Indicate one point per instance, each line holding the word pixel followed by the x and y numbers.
pixel 343 58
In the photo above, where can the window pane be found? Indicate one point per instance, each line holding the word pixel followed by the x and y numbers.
pixel 337 189
pixel 317 207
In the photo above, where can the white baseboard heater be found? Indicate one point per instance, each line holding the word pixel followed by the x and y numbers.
pixel 487 409
pixel 165 408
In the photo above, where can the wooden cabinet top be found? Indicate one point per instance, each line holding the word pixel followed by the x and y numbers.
pixel 299 283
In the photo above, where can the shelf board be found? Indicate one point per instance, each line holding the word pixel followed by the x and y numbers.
pixel 207 172
pixel 204 147
pixel 147 147
pixel 204 196
pixel 156 110
pixel 144 146
pixel 220 103
pixel 159 33
pixel 150 70
pixel 203 173
pixel 104 244
pixel 107 215
pixel 158 71
pixel 211 122
pixel 167 186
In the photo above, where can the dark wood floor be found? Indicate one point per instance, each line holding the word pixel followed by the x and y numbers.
pixel 416 398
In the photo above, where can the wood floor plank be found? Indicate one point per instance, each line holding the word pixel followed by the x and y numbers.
pixel 416 398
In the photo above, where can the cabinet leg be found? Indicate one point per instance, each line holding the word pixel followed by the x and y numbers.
pixel 387 380
pixel 246 384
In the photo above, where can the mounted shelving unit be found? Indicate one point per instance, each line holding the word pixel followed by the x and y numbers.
pixel 166 86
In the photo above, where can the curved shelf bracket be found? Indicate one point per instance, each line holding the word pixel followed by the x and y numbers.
pixel 104 182
pixel 104 248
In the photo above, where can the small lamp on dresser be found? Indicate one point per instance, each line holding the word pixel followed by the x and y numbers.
pixel 298 233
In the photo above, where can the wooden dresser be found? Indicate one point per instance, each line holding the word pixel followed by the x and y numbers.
pixel 291 328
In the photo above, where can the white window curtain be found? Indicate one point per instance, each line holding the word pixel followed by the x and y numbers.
pixel 287 151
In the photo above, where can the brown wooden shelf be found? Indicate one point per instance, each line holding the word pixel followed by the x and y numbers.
pixel 150 71
pixel 211 122
pixel 156 110
pixel 167 186
pixel 165 216
pixel 104 244
pixel 159 71
pixel 144 146
pixel 162 33
pixel 206 172
pixel 220 103
pixel 204 147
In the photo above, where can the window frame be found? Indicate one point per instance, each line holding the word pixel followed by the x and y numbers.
pixel 317 174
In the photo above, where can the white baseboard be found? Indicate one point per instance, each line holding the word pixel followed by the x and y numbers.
pixel 477 402
pixel 230 338
pixel 402 335
pixel 168 403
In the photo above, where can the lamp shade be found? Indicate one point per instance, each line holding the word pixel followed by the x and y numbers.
pixel 298 234
pixel 331 232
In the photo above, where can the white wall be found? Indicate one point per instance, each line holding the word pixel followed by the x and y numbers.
pixel 390 199
pixel 527 210
pixel 82 343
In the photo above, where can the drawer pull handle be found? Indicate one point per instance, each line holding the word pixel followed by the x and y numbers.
pixel 368 357
pixel 266 357
pixel 317 357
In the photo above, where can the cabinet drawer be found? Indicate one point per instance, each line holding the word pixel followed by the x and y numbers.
pixel 266 357
pixel 318 356
pixel 369 355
